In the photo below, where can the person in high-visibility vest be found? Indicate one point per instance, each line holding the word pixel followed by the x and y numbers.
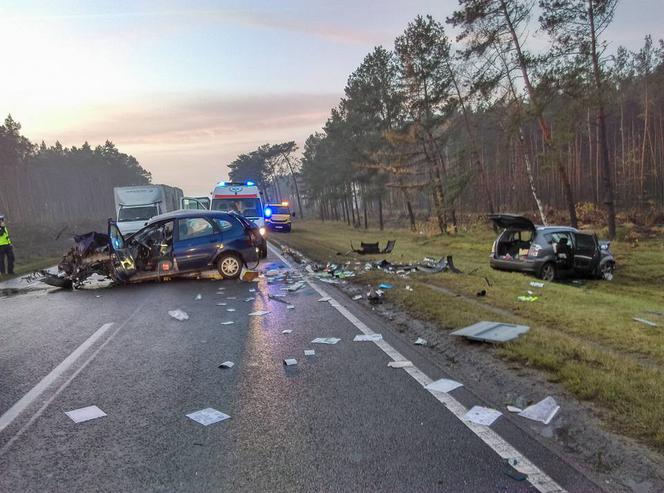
pixel 6 248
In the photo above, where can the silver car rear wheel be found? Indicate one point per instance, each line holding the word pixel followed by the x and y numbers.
pixel 229 266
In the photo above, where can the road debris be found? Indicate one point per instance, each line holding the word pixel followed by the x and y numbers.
pixel 530 298
pixel 286 331
pixel 400 364
pixel 296 286
pixel 179 315
pixel 491 331
pixel 481 293
pixel 514 409
pixel 231 297
pixel 482 415
pixel 325 340
pixel 230 309
pixel 290 307
pixel 375 297
pixel 198 297
pixel 368 338
pixel 543 411
pixel 277 298
pixel 324 299
pixel 290 362
pixel 228 322
pixel 309 352
pixel 408 288
pixel 227 364
pixel 357 297
pixel 246 300
pixel 444 385
pixel 537 284
pixel 258 313
pixel 644 321
pixel 208 416
pixel 222 304
pixel 252 290
pixel 420 342
pixel 385 286
pixel 85 414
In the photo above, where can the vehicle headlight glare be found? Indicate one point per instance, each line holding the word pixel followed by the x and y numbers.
pixel 261 231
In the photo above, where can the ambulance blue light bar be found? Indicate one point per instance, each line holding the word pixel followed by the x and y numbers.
pixel 268 212
pixel 250 183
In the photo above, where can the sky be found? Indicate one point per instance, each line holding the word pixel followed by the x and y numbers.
pixel 187 86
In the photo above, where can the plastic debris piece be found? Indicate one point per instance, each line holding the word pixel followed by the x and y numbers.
pixel 444 385
pixel 258 313
pixel 290 307
pixel 227 364
pixel 85 414
pixel 286 331
pixel 198 297
pixel 179 315
pixel 644 321
pixel 295 286
pixel 357 297
pixel 324 299
pixel 530 298
pixel 228 322
pixel 385 286
pixel 514 409
pixel 482 415
pixel 230 309
pixel 325 340
pixel 208 416
pixel 491 331
pixel 400 364
pixel 309 352
pixel 368 338
pixel 543 411
pixel 536 284
pixel 290 362
pixel 420 342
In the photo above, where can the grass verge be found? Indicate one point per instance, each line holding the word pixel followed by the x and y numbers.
pixel 582 336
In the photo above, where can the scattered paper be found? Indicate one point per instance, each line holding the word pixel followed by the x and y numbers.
pixel 230 309
pixel 325 298
pixel 179 315
pixel 287 331
pixel 400 364
pixel 444 385
pixel 249 299
pixel 514 409
pixel 536 284
pixel 290 362
pixel 208 416
pixel 198 297
pixel 290 307
pixel 227 364
pixel 644 321
pixel 325 340
pixel 309 352
pixel 252 290
pixel 482 415
pixel 228 322
pixel 357 297
pixel 543 411
pixel 85 414
pixel 420 342
pixel 222 304
pixel 258 313
pixel 371 337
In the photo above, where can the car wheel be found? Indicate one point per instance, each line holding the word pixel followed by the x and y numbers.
pixel 548 272
pixel 606 271
pixel 229 266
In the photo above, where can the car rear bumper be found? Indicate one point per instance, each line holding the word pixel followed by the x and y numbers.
pixel 532 266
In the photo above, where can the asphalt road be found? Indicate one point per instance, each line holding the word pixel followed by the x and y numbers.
pixel 341 420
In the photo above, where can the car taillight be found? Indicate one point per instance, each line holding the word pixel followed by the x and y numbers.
pixel 534 249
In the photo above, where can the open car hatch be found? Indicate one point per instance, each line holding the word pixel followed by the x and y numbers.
pixel 511 221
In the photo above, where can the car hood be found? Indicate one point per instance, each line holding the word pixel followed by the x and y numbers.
pixel 513 221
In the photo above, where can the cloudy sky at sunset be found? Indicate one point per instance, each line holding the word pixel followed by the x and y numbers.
pixel 186 86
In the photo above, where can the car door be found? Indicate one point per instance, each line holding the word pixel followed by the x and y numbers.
pixel 586 252
pixel 196 244
pixel 123 263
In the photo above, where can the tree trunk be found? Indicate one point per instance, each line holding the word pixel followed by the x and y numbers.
pixel 380 211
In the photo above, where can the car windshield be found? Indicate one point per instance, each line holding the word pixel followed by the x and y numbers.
pixel 279 209
pixel 142 213
pixel 248 207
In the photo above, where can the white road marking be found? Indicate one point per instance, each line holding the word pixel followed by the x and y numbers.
pixel 62 387
pixel 13 412
pixel 538 478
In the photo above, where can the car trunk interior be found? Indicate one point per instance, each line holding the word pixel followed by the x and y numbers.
pixel 514 244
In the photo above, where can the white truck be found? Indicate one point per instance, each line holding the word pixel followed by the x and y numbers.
pixel 135 206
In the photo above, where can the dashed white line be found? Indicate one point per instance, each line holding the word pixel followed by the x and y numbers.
pixel 538 478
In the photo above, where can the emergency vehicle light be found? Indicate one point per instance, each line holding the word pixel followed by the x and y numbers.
pixel 250 183
pixel 268 212
pixel 221 184
pixel 285 203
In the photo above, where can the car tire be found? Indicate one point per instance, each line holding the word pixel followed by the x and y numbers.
pixel 287 229
pixel 548 272
pixel 263 252
pixel 229 266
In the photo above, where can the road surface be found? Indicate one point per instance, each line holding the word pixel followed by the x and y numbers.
pixel 341 420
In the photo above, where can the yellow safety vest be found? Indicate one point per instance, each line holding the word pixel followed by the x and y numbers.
pixel 4 238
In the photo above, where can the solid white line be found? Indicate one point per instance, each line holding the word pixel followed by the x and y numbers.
pixel 12 413
pixel 538 478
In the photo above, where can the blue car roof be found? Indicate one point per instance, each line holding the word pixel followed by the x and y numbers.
pixel 184 213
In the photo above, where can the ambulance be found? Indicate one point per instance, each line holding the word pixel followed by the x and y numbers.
pixel 245 199
pixel 278 216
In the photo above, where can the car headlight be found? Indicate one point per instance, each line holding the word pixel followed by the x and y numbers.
pixel 261 231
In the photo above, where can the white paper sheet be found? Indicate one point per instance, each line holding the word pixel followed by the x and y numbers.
pixel 368 338
pixel 286 331
pixel 198 297
pixel 543 411
pixel 420 342
pixel 444 385
pixel 227 364
pixel 258 313
pixel 482 415
pixel 208 416
pixel 309 352
pixel 230 309
pixel 179 315
pixel 325 298
pixel 290 307
pixel 85 414
pixel 325 340
pixel 228 322
pixel 290 362
pixel 400 364
pixel 357 297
